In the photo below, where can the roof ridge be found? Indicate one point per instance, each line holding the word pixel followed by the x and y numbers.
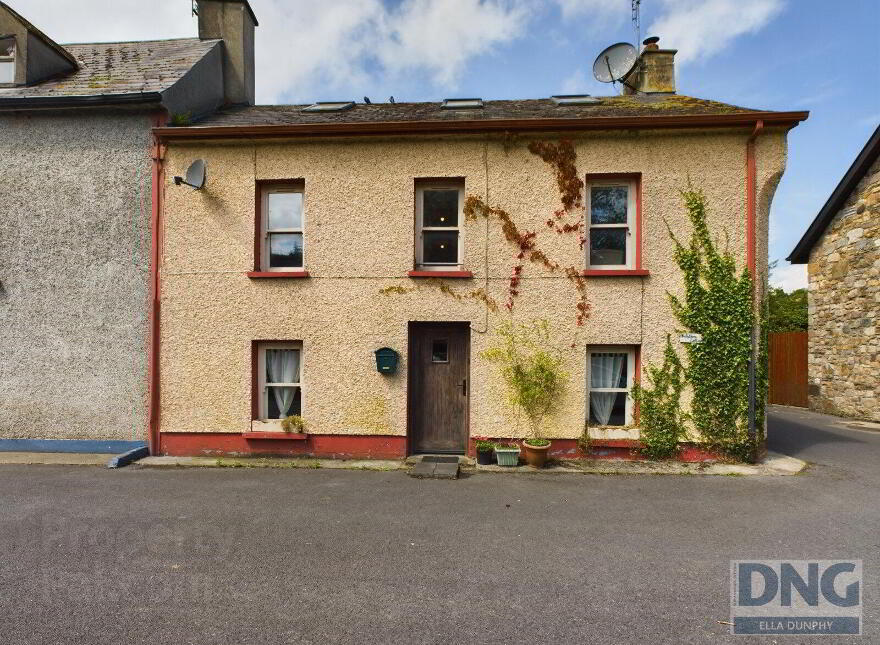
pixel 139 42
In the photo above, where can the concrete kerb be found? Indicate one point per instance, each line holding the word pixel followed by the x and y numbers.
pixel 773 465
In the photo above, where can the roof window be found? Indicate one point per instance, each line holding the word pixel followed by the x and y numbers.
pixel 329 106
pixel 462 104
pixel 573 99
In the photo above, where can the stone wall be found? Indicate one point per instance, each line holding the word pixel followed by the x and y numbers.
pixel 844 297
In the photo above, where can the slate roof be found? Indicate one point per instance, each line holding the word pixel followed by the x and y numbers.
pixel 120 68
pixel 608 106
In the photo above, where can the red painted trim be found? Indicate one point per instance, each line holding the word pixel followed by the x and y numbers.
pixel 195 444
pixel 623 176
pixel 278 274
pixel 157 181
pixel 751 180
pixel 284 436
pixel 255 394
pixel 637 378
pixel 739 119
pixel 259 186
pixel 611 273
pixel 440 274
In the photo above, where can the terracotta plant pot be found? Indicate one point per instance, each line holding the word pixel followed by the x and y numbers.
pixel 535 455
pixel 485 457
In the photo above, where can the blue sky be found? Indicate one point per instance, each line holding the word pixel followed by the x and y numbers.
pixel 815 55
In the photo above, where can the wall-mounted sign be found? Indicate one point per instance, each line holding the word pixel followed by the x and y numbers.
pixel 690 338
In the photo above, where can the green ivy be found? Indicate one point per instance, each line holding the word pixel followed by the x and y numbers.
pixel 718 305
pixel 660 417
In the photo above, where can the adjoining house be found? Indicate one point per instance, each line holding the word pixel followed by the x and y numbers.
pixel 328 231
pixel 841 248
pixel 75 237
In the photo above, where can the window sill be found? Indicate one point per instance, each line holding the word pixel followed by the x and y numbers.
pixel 611 273
pixel 440 274
pixel 294 436
pixel 278 274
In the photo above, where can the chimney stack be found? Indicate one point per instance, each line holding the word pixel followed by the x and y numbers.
pixel 654 72
pixel 233 21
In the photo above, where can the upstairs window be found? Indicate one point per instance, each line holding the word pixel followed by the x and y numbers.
pixel 282 221
pixel 438 225
pixel 7 60
pixel 612 216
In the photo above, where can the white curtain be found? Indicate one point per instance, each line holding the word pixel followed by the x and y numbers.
pixel 605 371
pixel 282 366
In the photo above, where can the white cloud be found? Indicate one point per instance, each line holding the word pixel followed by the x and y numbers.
pixel 617 10
pixel 576 83
pixel 789 277
pixel 702 28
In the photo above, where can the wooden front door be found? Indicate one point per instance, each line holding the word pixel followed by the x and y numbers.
pixel 439 373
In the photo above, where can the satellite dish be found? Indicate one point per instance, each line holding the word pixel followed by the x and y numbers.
pixel 195 175
pixel 615 63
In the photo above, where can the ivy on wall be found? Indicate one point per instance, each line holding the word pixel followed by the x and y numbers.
pixel 717 304
pixel 661 418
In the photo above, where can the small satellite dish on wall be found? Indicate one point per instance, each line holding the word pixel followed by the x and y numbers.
pixel 615 63
pixel 195 175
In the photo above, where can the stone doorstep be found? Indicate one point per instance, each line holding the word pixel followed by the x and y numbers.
pixel 773 464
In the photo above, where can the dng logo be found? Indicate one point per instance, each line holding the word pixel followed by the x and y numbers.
pixel 796 596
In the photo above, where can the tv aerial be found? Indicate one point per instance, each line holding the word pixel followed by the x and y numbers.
pixel 615 63
pixel 195 175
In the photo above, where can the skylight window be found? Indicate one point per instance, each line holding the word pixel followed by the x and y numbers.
pixel 573 99
pixel 329 106
pixel 462 104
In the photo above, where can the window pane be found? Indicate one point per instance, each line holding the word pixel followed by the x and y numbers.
pixel 286 250
pixel 283 402
pixel 7 72
pixel 440 208
pixel 7 47
pixel 439 351
pixel 608 408
pixel 285 210
pixel 440 247
pixel 608 246
pixel 608 204
pixel 282 366
pixel 608 369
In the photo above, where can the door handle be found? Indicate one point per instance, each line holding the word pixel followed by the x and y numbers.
pixel 463 386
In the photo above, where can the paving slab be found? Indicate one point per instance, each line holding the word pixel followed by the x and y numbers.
pixel 58 458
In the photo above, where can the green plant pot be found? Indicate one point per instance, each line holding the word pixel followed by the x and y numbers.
pixel 507 456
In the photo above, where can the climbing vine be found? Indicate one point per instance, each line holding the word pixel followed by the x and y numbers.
pixel 661 419
pixel 718 305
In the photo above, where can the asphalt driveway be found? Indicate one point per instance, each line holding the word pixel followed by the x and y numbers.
pixel 317 556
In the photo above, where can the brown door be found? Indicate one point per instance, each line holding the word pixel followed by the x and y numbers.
pixel 439 368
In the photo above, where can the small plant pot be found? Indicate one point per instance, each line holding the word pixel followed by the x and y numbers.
pixel 536 455
pixel 485 457
pixel 507 456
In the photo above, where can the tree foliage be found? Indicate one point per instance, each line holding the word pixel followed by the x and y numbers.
pixel 788 311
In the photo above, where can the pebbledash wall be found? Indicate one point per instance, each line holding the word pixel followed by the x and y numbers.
pixel 74 249
pixel 359 238
pixel 844 302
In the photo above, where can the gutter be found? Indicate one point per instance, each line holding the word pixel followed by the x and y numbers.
pixel 157 156
pixel 745 119
pixel 95 100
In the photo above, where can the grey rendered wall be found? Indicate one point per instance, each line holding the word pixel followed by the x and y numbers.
pixel 74 251
pixel 200 90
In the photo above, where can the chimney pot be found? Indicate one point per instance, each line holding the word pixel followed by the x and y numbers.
pixel 654 72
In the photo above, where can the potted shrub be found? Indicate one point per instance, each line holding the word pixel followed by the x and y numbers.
pixel 294 424
pixel 507 454
pixel 532 371
pixel 484 449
